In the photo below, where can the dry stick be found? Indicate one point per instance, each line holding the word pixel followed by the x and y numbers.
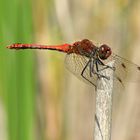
pixel 104 105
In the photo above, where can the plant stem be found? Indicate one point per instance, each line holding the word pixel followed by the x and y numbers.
pixel 104 105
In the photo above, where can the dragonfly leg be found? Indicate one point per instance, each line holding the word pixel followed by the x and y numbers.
pixel 97 69
pixel 91 67
pixel 82 73
pixel 105 66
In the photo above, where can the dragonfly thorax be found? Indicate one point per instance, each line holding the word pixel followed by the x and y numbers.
pixel 84 47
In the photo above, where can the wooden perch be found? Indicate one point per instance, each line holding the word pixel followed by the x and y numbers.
pixel 103 111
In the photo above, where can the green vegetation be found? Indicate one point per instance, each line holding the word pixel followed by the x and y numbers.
pixel 17 78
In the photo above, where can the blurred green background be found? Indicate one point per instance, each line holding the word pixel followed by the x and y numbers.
pixel 39 98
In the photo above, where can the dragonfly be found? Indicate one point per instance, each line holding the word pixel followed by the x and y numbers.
pixel 86 60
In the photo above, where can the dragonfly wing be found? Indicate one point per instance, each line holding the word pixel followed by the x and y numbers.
pixel 76 63
pixel 126 70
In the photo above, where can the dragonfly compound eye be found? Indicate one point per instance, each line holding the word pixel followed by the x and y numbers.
pixel 104 52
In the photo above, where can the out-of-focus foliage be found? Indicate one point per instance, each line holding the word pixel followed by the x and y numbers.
pixel 39 99
pixel 17 72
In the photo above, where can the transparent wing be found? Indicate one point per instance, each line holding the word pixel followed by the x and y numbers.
pixel 126 70
pixel 76 63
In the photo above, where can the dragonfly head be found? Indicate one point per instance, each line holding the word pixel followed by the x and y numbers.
pixel 104 51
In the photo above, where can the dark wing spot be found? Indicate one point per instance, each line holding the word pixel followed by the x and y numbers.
pixel 138 68
pixel 120 80
pixel 123 65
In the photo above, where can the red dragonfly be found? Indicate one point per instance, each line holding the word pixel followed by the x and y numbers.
pixel 85 60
